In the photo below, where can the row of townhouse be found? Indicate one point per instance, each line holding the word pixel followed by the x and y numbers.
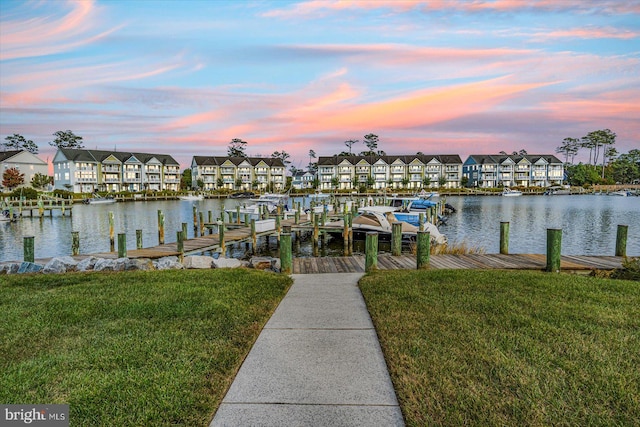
pixel 86 171
pixel 504 170
pixel 378 172
pixel 238 173
pixel 420 171
pixel 81 170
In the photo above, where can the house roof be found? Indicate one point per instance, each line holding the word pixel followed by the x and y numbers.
pixel 253 161
pixel 82 155
pixel 4 155
pixel 500 158
pixel 406 159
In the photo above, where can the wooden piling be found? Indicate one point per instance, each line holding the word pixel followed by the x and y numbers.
pixel 122 245
pixel 223 246
pixel 621 240
pixel 238 214
pixel 254 237
pixel 195 220
pixel 278 227
pixel 75 243
pixel 345 232
pixel 504 238
pixel 423 249
pixel 286 259
pixel 371 252
pixel 180 243
pixel 554 248
pixel 112 238
pixel 396 239
pixel 316 228
pixel 421 221
pixel 160 227
pixel 184 230
pixel 201 216
pixel 139 244
pixel 246 219
pixel 28 249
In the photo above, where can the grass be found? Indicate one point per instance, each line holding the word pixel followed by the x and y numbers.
pixel 135 348
pixel 509 348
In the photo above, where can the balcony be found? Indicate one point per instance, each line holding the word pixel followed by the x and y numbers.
pixel 380 170
pixel 345 179
pixel 110 168
pixel 85 179
pixel 415 169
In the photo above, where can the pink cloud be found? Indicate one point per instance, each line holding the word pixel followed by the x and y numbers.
pixel 321 7
pixel 52 34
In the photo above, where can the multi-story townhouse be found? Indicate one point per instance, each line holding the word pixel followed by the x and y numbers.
pixel 237 173
pixel 24 161
pixel 493 170
pixel 378 172
pixel 86 171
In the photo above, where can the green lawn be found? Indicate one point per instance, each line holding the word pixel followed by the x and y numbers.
pixel 135 348
pixel 509 348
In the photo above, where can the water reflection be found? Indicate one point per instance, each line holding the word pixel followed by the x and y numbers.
pixel 588 223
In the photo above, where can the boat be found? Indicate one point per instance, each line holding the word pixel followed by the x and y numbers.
pixel 508 192
pixel 557 190
pixel 268 202
pixel 5 216
pixel 621 193
pixel 242 195
pixel 408 209
pixel 380 220
pixel 191 197
pixel 99 200
pixel 319 201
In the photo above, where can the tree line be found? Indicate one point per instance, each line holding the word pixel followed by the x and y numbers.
pixel 614 167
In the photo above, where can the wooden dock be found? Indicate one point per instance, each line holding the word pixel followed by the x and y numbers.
pixel 356 264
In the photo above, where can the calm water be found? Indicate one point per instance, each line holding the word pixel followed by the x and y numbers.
pixel 588 224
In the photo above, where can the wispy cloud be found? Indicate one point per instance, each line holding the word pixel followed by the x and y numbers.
pixel 322 7
pixel 52 33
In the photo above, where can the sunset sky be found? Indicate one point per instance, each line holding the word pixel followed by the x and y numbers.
pixel 440 77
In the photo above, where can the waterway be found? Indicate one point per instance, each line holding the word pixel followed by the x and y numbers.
pixel 588 224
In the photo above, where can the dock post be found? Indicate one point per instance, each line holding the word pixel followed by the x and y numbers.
pixel 278 227
pixel 238 214
pixel 421 221
pixel 621 240
pixel 254 238
pixel 371 252
pixel 29 253
pixel 195 221
pixel 504 238
pixel 40 207
pixel 180 244
pixel 201 216
pixel 286 259
pixel 11 212
pixel 424 249
pixel 324 215
pixel 396 239
pixel 62 208
pixel 75 243
pixel 296 217
pixel 161 227
pixel 345 233
pixel 316 228
pixel 122 245
pixel 223 247
pixel 139 239
pixel 554 246
pixel 210 216
pixel 350 233
pixel 184 231
pixel 246 219
pixel 112 237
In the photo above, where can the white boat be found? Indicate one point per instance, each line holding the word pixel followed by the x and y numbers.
pixel 268 202
pixel 381 218
pixel 191 197
pixel 557 190
pixel 408 209
pixel 319 201
pixel 99 200
pixel 508 192
pixel 621 193
pixel 5 216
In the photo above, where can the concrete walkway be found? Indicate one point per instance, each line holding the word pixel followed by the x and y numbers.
pixel 317 362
